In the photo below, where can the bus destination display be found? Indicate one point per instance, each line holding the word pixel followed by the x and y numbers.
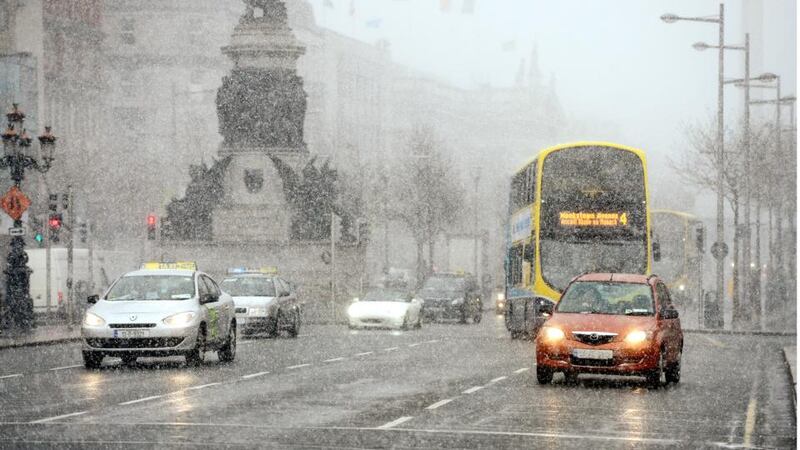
pixel 592 219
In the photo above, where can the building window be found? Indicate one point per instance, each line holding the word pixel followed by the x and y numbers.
pixel 127 31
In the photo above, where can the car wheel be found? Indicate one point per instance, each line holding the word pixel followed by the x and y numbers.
pixel 463 318
pixel 515 335
pixel 129 360
pixel 571 377
pixel 478 316
pixel 227 353
pixel 274 329
pixel 654 377
pixel 419 322
pixel 92 360
pixel 404 326
pixel 197 355
pixel 673 372
pixel 544 375
pixel 295 330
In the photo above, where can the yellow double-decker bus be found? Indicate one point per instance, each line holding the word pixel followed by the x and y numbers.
pixel 574 208
pixel 681 236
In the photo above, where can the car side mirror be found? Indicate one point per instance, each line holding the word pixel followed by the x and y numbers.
pixel 92 299
pixel 546 308
pixel 656 251
pixel 207 298
pixel 670 313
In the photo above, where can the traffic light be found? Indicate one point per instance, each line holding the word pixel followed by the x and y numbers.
pixel 83 232
pixel 53 203
pixel 151 227
pixel 700 239
pixel 36 229
pixel 54 223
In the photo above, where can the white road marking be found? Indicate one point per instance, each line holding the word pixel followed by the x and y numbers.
pixel 11 376
pixel 440 403
pixel 390 349
pixel 299 366
pixel 253 375
pixel 473 389
pixel 590 437
pixel 498 379
pixel 66 367
pixel 415 344
pixel 341 358
pixel 432 341
pixel 194 388
pixel 395 422
pixel 131 402
pixel 750 418
pixel 63 416
pixel 363 354
pixel 713 341
pixel 521 370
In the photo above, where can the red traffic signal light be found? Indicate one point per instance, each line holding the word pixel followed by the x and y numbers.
pixel 54 221
pixel 151 220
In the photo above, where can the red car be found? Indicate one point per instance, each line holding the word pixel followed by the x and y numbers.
pixel 611 323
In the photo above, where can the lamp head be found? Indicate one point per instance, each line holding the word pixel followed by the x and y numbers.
pixel 669 18
pixel 700 46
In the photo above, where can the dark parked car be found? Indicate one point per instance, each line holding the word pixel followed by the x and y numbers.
pixel 451 296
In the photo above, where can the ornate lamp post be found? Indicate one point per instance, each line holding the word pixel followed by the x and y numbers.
pixel 17 311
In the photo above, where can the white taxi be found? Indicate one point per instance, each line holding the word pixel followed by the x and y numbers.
pixel 164 309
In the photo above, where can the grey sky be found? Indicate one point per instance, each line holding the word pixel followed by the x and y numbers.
pixel 613 62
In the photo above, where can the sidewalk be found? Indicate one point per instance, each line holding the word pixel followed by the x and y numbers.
pixel 790 353
pixel 45 334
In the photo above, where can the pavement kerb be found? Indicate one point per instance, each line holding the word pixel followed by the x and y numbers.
pixel 740 332
pixel 790 358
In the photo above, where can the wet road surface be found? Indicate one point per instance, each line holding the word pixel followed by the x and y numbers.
pixel 446 385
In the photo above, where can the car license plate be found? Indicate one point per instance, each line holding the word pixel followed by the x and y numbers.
pixel 130 333
pixel 584 353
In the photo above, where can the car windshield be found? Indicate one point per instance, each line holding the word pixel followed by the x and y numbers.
pixel 249 287
pixel 152 287
pixel 442 285
pixel 593 297
pixel 386 296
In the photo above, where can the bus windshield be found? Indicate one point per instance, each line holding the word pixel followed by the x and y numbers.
pixel 593 214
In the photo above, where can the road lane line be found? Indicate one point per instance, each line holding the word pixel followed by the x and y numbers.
pixel 473 389
pixel 63 416
pixel 11 376
pixel 524 369
pixel 66 367
pixel 390 349
pixel 194 388
pixel 253 375
pixel 363 354
pixel 299 366
pixel 341 358
pixel 395 422
pixel 139 400
pixel 432 341
pixel 713 341
pixel 415 344
pixel 498 379
pixel 750 418
pixel 440 403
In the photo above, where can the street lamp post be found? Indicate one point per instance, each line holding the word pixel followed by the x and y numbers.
pixel 719 249
pixel 17 311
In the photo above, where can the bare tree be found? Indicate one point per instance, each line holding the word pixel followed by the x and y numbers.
pixel 427 195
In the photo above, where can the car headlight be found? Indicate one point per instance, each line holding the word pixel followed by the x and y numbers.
pixel 180 319
pixel 636 337
pixel 352 311
pixel 93 320
pixel 501 296
pixel 457 301
pixel 552 334
pixel 681 287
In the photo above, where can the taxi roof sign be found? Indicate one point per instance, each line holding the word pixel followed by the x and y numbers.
pixel 269 270
pixel 182 265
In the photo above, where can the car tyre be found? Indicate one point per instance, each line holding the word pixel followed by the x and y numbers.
pixel 515 335
pixel 92 360
pixel 295 330
pixel 463 318
pixel 673 372
pixel 227 353
pixel 544 375
pixel 654 376
pixel 128 360
pixel 404 326
pixel 419 322
pixel 478 316
pixel 274 329
pixel 197 355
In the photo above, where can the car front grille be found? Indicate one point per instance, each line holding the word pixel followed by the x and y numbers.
pixel 591 338
pixel 132 325
pixel 241 310
pixel 134 342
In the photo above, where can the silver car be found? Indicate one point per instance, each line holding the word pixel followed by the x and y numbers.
pixel 160 312
pixel 265 303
